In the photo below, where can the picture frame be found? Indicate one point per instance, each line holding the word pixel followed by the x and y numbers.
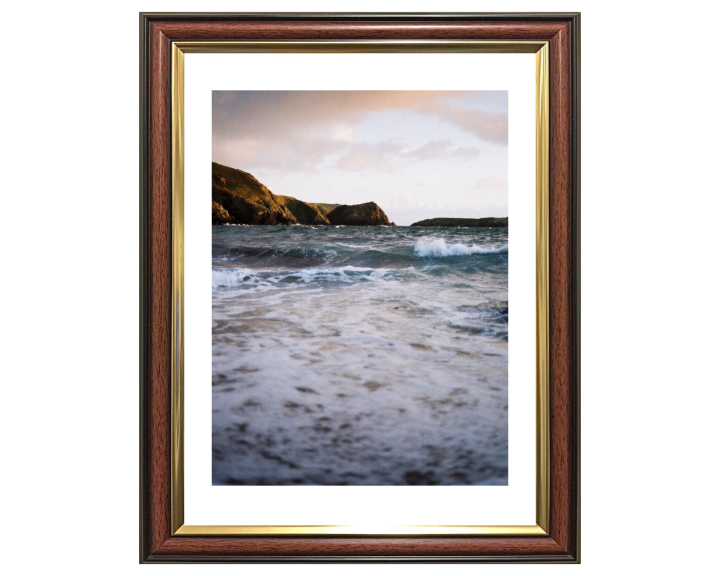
pixel 555 39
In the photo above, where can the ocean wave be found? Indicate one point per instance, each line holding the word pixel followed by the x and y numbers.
pixel 280 256
pixel 362 246
pixel 229 277
pixel 336 274
pixel 437 247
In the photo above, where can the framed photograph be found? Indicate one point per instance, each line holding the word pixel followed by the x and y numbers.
pixel 329 367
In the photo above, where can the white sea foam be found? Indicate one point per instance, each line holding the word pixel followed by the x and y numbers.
pixel 320 368
pixel 225 277
pixel 228 277
pixel 437 247
pixel 364 246
pixel 335 274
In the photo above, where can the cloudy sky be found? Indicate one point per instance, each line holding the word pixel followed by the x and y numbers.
pixel 417 154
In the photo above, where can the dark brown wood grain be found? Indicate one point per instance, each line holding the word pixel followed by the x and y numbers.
pixel 319 30
pixel 159 272
pixel 560 263
pixel 354 546
pixel 157 544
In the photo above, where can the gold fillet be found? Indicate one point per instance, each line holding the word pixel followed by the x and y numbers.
pixel 364 46
pixel 363 530
pixel 177 381
pixel 542 187
pixel 540 49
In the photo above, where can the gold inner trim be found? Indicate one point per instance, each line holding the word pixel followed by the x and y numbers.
pixel 542 145
pixel 362 530
pixel 542 257
pixel 363 46
pixel 177 466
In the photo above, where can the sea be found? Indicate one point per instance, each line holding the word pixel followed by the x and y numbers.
pixel 352 355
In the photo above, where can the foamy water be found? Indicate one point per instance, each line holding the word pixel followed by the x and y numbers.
pixel 439 248
pixel 371 356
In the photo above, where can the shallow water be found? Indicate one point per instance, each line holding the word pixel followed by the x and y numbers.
pixel 359 355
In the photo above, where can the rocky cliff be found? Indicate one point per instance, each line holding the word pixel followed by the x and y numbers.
pixel 304 212
pixel 245 199
pixel 325 209
pixel 219 214
pixel 239 198
pixel 368 214
pixel 466 222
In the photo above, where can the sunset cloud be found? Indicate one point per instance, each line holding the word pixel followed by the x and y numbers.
pixel 247 124
pixel 388 156
pixel 252 113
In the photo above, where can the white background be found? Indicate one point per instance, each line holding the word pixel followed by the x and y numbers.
pixel 69 241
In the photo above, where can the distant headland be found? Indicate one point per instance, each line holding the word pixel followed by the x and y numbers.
pixel 465 222
pixel 239 198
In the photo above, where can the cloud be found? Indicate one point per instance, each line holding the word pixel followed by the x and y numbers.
pixel 300 130
pixel 390 155
pixel 493 181
pixel 483 114
pixel 385 157
pixel 287 155
pixel 465 153
pixel 431 151
pixel 486 125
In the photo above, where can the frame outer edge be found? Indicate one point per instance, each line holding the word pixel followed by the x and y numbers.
pixel 145 549
pixel 361 16
pixel 147 555
pixel 376 559
pixel 575 269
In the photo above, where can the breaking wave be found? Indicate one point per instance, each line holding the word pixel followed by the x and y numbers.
pixel 439 248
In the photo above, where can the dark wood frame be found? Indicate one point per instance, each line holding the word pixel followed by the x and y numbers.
pixel 157 31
